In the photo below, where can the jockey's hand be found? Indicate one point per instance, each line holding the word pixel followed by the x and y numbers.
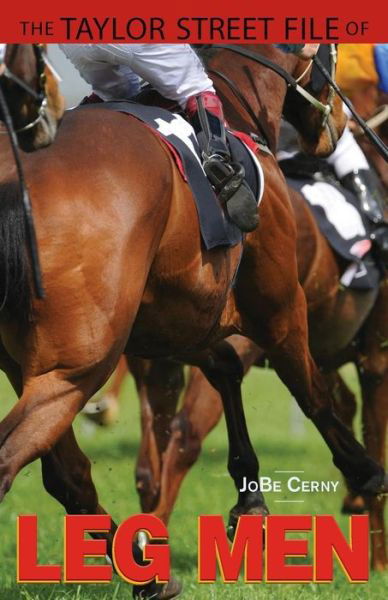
pixel 308 51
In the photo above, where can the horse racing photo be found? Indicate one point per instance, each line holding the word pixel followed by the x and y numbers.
pixel 193 321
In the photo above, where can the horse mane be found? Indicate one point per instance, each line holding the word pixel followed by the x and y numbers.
pixel 15 289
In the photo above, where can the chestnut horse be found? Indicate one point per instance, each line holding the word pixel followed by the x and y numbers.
pixel 125 272
pixel 344 325
pixel 339 332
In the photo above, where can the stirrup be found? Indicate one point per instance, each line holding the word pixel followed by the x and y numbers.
pixel 228 180
pixel 225 176
pixel 362 183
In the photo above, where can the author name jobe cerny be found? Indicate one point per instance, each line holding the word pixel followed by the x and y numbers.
pixel 293 484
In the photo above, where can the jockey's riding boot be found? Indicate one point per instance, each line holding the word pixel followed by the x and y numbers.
pixel 365 186
pixel 228 178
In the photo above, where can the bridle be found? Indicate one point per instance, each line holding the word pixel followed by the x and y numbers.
pixel 327 108
pixel 293 83
pixel 40 99
pixel 39 96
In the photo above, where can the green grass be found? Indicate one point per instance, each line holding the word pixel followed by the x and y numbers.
pixel 207 490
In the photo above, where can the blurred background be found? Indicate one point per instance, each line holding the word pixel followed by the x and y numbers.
pixel 73 87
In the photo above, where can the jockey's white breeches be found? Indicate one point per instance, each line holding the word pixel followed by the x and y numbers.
pixel 115 70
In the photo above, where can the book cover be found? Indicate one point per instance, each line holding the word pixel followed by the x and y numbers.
pixel 153 439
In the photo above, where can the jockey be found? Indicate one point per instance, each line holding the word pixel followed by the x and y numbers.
pixel 115 71
pixel 362 68
pixel 352 170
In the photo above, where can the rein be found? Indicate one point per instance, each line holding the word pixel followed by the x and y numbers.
pixel 374 138
pixel 29 221
pixel 289 79
pixel 233 87
pixel 293 83
pixel 380 116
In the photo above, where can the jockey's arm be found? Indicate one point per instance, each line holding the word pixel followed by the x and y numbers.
pixel 305 51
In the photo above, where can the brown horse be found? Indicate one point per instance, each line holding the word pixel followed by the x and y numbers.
pixel 32 95
pixel 344 325
pixel 171 442
pixel 125 272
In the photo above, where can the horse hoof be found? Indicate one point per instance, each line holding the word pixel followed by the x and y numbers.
pixel 172 589
pixel 162 591
pixel 237 512
pixel 353 505
pixel 102 412
pixel 380 565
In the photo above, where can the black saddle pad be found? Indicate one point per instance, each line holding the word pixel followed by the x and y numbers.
pixel 338 216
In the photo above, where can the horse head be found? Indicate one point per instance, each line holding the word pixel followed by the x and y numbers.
pixel 274 83
pixel 31 93
pixel 320 123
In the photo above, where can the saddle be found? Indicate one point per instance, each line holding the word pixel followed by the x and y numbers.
pixel 165 119
pixel 339 218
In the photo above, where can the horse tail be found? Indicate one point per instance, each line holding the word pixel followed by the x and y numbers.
pixel 15 289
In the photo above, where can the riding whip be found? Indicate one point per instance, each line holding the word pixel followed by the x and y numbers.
pixel 374 138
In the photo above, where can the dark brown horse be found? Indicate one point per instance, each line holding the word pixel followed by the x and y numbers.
pixel 125 272
pixel 32 95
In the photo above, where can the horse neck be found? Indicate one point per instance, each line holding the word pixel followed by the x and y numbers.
pixel 318 135
pixel 263 89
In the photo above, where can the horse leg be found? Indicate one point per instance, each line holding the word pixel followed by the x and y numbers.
pixel 201 411
pixel 66 473
pixel 159 384
pixel 373 374
pixel 12 370
pixel 45 410
pixel 293 363
pixel 344 401
pixel 375 420
pixel 104 410
pixel 345 407
pixel 224 370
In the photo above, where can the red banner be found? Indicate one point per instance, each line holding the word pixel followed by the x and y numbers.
pixel 246 21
